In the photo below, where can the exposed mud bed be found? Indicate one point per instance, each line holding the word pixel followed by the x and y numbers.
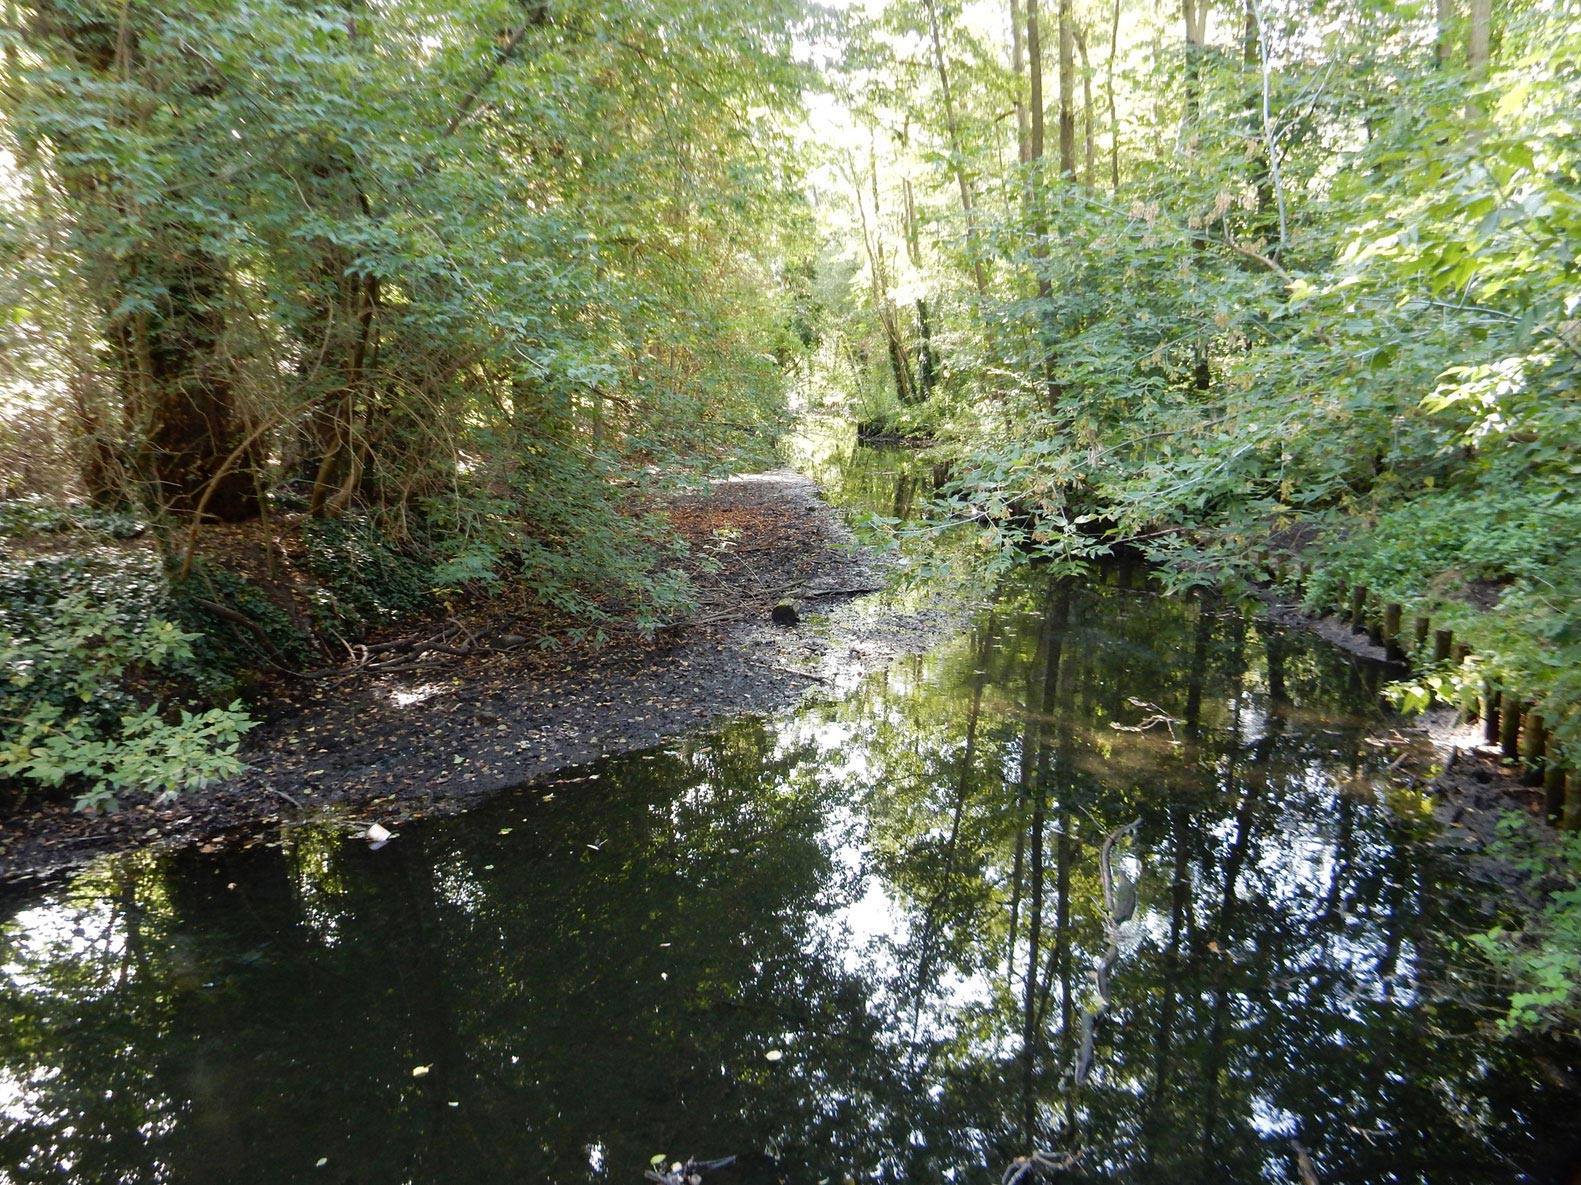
pixel 389 747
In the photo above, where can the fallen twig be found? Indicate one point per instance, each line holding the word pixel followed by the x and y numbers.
pixel 241 619
pixel 1304 1164
pixel 794 671
pixel 854 591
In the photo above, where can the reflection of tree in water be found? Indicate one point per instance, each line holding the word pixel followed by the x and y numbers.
pixel 598 985
pixel 1278 989
pixel 601 975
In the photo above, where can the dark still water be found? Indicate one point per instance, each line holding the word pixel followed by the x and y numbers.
pixel 861 935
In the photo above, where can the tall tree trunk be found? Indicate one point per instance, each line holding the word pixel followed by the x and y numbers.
pixel 1114 117
pixel 1067 92
pixel 1444 42
pixel 1479 37
pixel 1479 42
pixel 927 360
pixel 1252 71
pixel 1017 68
pixel 957 152
pixel 1195 13
pixel 1035 81
pixel 1088 166
pixel 1036 217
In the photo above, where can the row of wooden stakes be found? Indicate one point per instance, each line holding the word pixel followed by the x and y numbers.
pixel 1510 720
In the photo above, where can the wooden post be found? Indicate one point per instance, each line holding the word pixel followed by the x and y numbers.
pixel 1510 730
pixel 1419 628
pixel 1443 645
pixel 1358 607
pixel 1553 780
pixel 1490 714
pixel 1392 613
pixel 1571 820
pixel 1533 737
pixel 1462 653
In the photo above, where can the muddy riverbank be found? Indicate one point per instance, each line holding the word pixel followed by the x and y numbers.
pixel 389 748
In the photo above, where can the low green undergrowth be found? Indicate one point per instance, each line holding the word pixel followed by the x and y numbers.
pixel 361 578
pixel 89 648
pixel 125 677
pixel 1539 957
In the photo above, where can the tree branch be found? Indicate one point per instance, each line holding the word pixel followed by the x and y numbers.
pixel 538 16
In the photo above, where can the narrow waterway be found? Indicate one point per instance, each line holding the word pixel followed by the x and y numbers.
pixel 861 935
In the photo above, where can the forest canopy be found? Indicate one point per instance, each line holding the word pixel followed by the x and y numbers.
pixel 1236 285
pixel 442 295
pixel 436 291
pixel 1231 284
pixel 360 251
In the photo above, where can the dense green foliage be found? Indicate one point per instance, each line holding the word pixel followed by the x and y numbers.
pixel 80 637
pixel 1539 954
pixel 1273 274
pixel 460 285
pixel 397 255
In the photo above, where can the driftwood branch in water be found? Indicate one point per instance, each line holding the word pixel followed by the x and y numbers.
pixel 1119 902
pixel 1304 1164
pixel 1039 1166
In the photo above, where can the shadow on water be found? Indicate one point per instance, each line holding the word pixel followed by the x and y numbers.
pixel 861 934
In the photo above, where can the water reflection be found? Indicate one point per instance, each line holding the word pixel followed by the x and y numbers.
pixel 862 935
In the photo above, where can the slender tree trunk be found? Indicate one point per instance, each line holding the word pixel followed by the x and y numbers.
pixel 1444 43
pixel 1017 69
pixel 1252 71
pixel 927 358
pixel 1089 178
pixel 1479 36
pixel 1067 92
pixel 1035 215
pixel 1195 13
pixel 1114 117
pixel 1479 42
pixel 957 152
pixel 1035 81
